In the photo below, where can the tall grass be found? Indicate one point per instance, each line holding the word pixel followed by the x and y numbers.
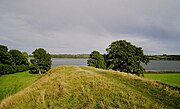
pixel 12 83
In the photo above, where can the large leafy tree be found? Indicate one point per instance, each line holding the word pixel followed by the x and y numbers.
pixel 25 54
pixel 41 61
pixel 18 57
pixel 6 61
pixel 5 57
pixel 96 60
pixel 125 57
pixel 3 48
pixel 20 61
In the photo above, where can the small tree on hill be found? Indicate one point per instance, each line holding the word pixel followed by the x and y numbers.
pixel 96 60
pixel 125 57
pixel 41 61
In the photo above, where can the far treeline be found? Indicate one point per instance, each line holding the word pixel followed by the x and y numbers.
pixel 151 57
pixel 164 57
pixel 70 55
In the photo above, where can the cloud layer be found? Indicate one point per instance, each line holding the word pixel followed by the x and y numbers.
pixel 69 26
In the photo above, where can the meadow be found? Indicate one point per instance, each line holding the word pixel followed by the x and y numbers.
pixel 78 87
pixel 12 83
pixel 172 79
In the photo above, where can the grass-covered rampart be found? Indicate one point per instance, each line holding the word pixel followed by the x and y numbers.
pixel 87 87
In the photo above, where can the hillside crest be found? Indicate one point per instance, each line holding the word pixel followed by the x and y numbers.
pixel 87 87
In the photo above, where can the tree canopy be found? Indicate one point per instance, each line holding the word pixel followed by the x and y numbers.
pixel 6 61
pixel 96 60
pixel 5 57
pixel 12 61
pixel 122 56
pixel 25 54
pixel 41 61
pixel 125 57
pixel 18 57
pixel 20 62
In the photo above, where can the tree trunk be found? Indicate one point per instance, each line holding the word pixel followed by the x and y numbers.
pixel 40 72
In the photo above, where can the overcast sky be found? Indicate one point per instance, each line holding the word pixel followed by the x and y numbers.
pixel 81 26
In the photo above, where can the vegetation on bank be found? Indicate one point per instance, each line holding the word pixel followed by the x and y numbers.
pixel 41 61
pixel 167 78
pixel 96 60
pixel 70 55
pixel 86 87
pixel 151 57
pixel 122 56
pixel 164 57
pixel 12 61
pixel 12 83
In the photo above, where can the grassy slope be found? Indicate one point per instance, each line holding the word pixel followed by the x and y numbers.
pixel 87 87
pixel 171 79
pixel 10 84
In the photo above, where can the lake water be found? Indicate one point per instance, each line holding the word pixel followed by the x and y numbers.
pixel 153 65
pixel 68 61
pixel 162 65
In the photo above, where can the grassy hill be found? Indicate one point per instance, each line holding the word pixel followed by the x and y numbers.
pixel 87 87
pixel 12 83
pixel 172 79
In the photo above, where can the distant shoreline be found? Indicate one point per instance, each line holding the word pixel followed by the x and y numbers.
pixel 75 56
pixel 85 56
pixel 151 57
pixel 164 57
pixel 70 55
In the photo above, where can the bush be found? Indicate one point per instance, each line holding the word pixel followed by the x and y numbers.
pixel 21 68
pixel 96 60
pixel 6 69
pixel 33 69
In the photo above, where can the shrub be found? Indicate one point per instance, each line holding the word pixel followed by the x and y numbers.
pixel 6 69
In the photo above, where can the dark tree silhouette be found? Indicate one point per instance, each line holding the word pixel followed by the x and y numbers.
pixel 125 57
pixel 41 61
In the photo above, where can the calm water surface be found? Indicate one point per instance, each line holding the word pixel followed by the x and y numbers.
pixel 162 65
pixel 68 61
pixel 153 65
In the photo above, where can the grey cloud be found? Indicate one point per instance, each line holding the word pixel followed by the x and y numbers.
pixel 68 26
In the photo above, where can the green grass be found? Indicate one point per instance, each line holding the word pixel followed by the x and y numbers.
pixel 74 87
pixel 171 79
pixel 12 83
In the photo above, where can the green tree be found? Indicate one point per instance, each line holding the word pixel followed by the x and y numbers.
pixel 25 54
pixel 96 60
pixel 6 61
pixel 18 57
pixel 3 48
pixel 5 57
pixel 41 61
pixel 125 57
pixel 20 62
